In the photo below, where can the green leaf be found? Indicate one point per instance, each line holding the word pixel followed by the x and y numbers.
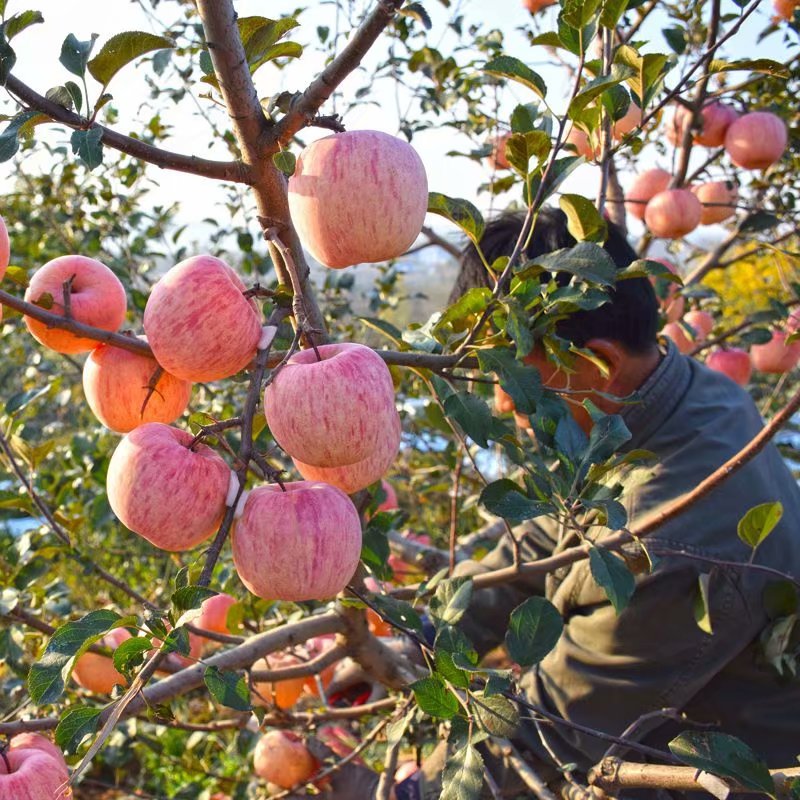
pixel 518 326
pixel 516 70
pixel 75 726
pixel 7 60
pixel 60 95
pixel 611 12
pixel 88 147
pixel 393 334
pixel 188 597
pixel 46 677
pixel 470 304
pixel 434 698
pixel 579 13
pixel 451 600
pixel 649 71
pixel 443 661
pixel 280 50
pixel 533 631
pixel 397 611
pixel 121 50
pixel 725 756
pixel 75 54
pixel 472 414
pixel 613 575
pixel 16 24
pixel 523 117
pixel 285 161
pixel 522 147
pixel 463 775
pixel 583 219
pixel 460 212
pixel 228 688
pixel 598 86
pixel 608 434
pixel 523 383
pixel 417 11
pixel 676 38
pixel 497 715
pixel 375 546
pixel 702 612
pixel 759 522
pixel 765 66
pixel 586 260
pixel 131 653
pixel 506 499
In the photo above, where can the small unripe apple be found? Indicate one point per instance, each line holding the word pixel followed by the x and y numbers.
pixel 676 332
pixel 96 296
pixel 644 188
pixel 300 544
pixel 283 694
pixel 166 492
pixel 282 758
pixel 354 477
pixel 756 140
pixel 199 323
pixel 702 323
pixel 497 158
pixel 673 213
pixel 715 119
pixel 333 411
pixel 733 362
pixel 775 357
pixel 117 383
pixel 33 770
pixel 358 197
pixel 96 673
pixel 719 199
pixel 214 613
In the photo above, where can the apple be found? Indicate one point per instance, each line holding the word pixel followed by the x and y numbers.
pixel 35 741
pixel 390 503
pixel 775 356
pixel 282 758
pixel 535 6
pixel 284 694
pixel 497 158
pixel 630 120
pixel 784 9
pixel 673 213
pixel 716 118
pixel 171 495
pixel 5 249
pixel 502 400
pixel 644 188
pixel 116 383
pixel 793 322
pixel 678 334
pixel 96 298
pixel 702 322
pixel 377 625
pixel 672 303
pixel 96 673
pixel 199 323
pixel 719 200
pixel 733 362
pixel 33 771
pixel 214 613
pixel 301 542
pixel 333 411
pixel 756 140
pixel 175 660
pixel 358 197
pixel 354 477
pixel 580 142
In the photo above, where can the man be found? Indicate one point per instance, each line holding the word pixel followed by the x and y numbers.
pixel 610 670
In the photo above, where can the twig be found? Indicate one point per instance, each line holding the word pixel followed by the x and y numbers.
pixel 525 771
pixel 454 507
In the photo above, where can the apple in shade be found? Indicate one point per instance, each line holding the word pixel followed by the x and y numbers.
pixel 673 304
pixel 214 613
pixel 502 400
pixel 702 323
pixel 175 660
pixel 644 188
pixel 630 120
pixel 199 323
pixel 170 494
pixel 283 694
pixel 117 383
pixel 33 770
pixel 95 672
pixel 282 758
pixel 333 411
pixel 358 197
pixel 673 213
pixel 679 335
pixel 390 502
pixel 718 198
pixel 299 544
pixel 403 773
pixel 497 158
pixel 775 357
pixel 756 140
pixel 96 298
pixel 715 119
pixel 354 477
pixel 733 362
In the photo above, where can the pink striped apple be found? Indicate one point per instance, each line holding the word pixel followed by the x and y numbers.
pixel 756 140
pixel 214 613
pixel 33 773
pixel 358 197
pixel 117 385
pixel 199 323
pixel 96 297
pixel 36 741
pixel 333 411
pixel 733 362
pixel 282 758
pixel 644 187
pixel 702 323
pixel 171 495
pixel 299 544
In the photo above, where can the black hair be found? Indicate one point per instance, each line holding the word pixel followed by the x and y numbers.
pixel 631 315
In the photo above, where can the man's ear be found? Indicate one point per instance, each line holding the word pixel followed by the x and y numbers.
pixel 613 355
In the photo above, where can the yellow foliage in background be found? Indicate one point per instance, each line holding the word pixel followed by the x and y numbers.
pixel 748 285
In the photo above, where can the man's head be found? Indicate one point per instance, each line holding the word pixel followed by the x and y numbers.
pixel 622 332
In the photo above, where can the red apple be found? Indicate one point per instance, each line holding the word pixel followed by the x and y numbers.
pixel 673 213
pixel 377 625
pixel 96 297
pixel 284 694
pixel 171 495
pixel 580 142
pixel 334 411
pixel 716 118
pixel 116 383
pixel 299 544
pixel 784 9
pixel 497 158
pixel 32 770
pixel 676 332
pixel 214 613
pixel 644 188
pixel 733 362
pixel 756 140
pixel 281 758
pixel 775 357
pixel 354 477
pixel 199 323
pixel 719 199
pixel 535 6
pixel 357 197
pixel 96 673
pixel 502 400
pixel 702 322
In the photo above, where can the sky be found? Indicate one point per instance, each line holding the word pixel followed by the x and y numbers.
pixel 37 64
